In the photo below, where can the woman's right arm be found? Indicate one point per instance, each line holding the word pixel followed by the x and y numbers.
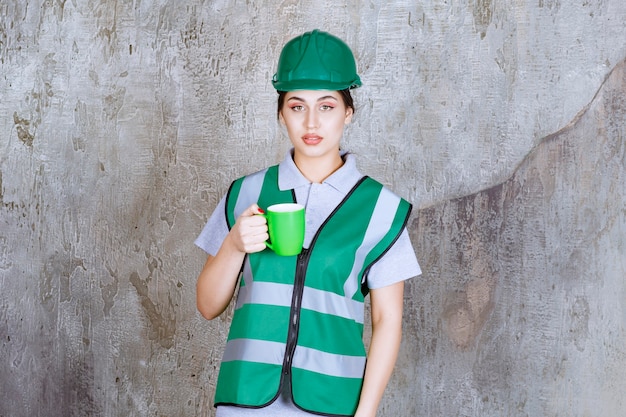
pixel 218 279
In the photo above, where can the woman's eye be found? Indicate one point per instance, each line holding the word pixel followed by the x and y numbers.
pixel 326 107
pixel 297 108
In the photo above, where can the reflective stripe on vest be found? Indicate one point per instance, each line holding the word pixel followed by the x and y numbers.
pixel 318 292
pixel 262 351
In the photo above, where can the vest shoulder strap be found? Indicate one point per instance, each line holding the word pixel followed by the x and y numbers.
pixel 260 187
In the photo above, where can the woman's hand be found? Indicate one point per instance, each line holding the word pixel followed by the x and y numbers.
pixel 218 279
pixel 249 233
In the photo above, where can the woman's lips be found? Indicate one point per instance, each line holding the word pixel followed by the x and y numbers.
pixel 311 139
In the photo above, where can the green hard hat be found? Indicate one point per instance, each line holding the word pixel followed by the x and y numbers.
pixel 316 60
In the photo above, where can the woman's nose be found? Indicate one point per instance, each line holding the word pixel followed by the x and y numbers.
pixel 312 119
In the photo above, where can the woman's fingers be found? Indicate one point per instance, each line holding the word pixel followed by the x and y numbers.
pixel 250 231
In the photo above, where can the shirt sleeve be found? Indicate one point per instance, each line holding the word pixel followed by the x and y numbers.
pixel 398 264
pixel 214 232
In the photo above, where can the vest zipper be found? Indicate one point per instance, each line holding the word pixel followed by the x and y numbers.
pixel 294 316
pixel 298 289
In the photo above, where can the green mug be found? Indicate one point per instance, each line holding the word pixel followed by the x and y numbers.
pixel 285 225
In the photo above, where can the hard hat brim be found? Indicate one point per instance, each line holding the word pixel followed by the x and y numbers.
pixel 315 85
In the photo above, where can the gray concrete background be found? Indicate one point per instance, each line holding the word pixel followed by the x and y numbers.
pixel 123 122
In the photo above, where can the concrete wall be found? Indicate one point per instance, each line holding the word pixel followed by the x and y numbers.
pixel 123 122
pixel 522 309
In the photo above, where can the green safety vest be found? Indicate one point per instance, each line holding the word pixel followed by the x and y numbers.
pixel 301 317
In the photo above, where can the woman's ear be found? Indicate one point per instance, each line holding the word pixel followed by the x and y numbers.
pixel 349 113
pixel 280 118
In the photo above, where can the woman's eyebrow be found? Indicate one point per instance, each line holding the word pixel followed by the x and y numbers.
pixel 295 98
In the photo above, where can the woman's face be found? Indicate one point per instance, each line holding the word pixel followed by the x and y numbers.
pixel 315 120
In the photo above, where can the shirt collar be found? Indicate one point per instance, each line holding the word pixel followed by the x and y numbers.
pixel 290 177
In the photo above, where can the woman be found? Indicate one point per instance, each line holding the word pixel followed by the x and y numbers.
pixel 295 345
